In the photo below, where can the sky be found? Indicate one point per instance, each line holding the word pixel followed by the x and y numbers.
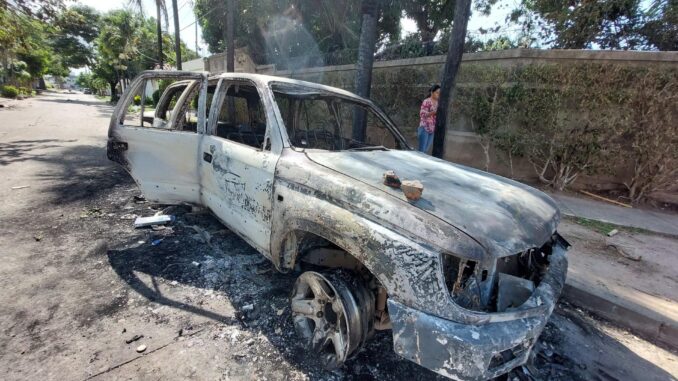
pixel 187 19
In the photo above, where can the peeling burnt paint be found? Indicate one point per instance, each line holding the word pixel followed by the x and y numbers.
pixel 280 200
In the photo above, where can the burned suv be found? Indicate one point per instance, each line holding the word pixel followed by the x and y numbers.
pixel 465 276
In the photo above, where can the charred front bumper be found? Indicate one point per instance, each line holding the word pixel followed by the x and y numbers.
pixel 478 352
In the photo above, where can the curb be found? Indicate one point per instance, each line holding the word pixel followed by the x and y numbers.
pixel 651 326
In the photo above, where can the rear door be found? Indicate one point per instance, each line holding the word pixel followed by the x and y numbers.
pixel 237 163
pixel 160 149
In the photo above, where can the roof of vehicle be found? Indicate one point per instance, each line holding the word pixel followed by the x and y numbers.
pixel 290 81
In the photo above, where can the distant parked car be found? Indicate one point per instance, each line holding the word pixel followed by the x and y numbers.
pixel 87 91
pixel 466 276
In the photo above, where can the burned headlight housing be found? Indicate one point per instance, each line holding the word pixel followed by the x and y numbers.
pixel 497 285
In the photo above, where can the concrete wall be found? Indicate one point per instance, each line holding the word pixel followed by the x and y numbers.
pixel 412 77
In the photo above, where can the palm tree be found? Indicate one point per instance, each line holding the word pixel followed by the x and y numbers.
pixel 363 77
pixel 462 11
pixel 161 10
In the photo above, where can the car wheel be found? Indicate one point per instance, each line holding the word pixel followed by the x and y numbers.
pixel 333 315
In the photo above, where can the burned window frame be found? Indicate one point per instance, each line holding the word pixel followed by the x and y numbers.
pixel 199 85
pixel 222 87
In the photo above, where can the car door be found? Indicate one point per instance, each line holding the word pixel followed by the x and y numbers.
pixel 161 157
pixel 237 164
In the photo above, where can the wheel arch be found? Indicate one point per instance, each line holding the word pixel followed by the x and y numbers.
pixel 302 235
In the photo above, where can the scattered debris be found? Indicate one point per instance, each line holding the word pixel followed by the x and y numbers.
pixel 37 238
pixel 21 187
pixel 612 232
pixel 605 199
pixel 133 339
pixel 248 307
pixel 156 242
pixel 139 199
pixel 623 252
pixel 391 179
pixel 201 235
pixel 412 189
pixel 141 348
pixel 141 222
pixel 92 212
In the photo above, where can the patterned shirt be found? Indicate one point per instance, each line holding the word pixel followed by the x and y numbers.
pixel 425 120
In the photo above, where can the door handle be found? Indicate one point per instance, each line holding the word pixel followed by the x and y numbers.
pixel 207 157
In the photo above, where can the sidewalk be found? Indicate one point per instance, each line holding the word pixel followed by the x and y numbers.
pixel 639 295
pixel 654 221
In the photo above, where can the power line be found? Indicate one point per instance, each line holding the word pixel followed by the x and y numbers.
pixel 196 19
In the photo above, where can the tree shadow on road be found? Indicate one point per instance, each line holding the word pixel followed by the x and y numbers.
pixel 79 173
pixel 22 150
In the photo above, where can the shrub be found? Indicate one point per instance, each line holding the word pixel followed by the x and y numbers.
pixel 137 100
pixel 9 91
pixel 156 98
pixel 25 91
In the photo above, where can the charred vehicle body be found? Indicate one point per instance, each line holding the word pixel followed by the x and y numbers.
pixel 466 277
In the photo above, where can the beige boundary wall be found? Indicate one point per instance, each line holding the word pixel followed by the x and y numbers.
pixel 416 75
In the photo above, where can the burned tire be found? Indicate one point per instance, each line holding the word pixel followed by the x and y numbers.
pixel 333 315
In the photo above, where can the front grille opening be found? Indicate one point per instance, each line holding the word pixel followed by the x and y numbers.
pixel 500 286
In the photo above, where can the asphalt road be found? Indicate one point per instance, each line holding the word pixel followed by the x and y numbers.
pixel 79 283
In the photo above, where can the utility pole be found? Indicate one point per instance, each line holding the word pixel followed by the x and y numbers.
pixel 159 27
pixel 177 40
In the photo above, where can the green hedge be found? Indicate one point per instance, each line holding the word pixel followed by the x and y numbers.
pixel 9 91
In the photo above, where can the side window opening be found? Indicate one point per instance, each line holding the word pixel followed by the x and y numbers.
pixel 139 110
pixel 241 116
pixel 168 96
pixel 155 102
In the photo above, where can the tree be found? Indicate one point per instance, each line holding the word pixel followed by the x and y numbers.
pixel 462 12
pixel 610 24
pixel 661 28
pixel 161 10
pixel 274 30
pixel 177 38
pixel 43 10
pixel 363 77
pixel 73 35
pixel 430 17
pixel 230 37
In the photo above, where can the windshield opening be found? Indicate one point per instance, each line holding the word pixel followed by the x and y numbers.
pixel 326 121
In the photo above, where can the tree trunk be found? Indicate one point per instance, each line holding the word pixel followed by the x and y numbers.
pixel 462 11
pixel 177 38
pixel 363 77
pixel 158 24
pixel 230 36
pixel 114 96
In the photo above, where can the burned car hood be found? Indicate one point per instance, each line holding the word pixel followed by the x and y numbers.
pixel 504 216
